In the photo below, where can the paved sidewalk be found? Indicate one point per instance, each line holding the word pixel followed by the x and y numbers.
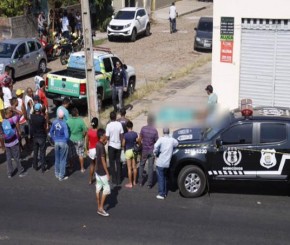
pixel 183 7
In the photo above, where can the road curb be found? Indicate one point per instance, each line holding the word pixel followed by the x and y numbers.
pixel 192 11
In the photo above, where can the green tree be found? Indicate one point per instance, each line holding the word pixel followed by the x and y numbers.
pixel 10 8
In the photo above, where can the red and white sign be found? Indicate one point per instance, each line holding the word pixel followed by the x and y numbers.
pixel 227 51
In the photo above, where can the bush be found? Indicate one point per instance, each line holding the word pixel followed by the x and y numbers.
pixel 103 26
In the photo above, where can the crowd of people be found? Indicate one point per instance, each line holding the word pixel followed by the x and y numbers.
pixel 25 122
pixel 60 21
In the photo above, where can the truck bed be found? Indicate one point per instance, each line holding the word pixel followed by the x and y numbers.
pixel 79 74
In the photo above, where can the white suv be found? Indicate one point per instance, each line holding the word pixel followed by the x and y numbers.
pixel 129 22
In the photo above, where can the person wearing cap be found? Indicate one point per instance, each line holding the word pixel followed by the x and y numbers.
pixel 64 108
pixel 39 134
pixel 59 134
pixel 91 142
pixel 163 149
pixel 212 97
pixel 147 137
pixel 23 118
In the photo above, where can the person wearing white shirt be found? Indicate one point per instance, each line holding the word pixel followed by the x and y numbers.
pixel 65 26
pixel 114 131
pixel 172 18
pixel 7 94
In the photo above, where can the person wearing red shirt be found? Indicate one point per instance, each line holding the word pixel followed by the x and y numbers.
pixel 92 140
pixel 41 94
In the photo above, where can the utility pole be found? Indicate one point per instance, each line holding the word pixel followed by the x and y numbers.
pixel 89 56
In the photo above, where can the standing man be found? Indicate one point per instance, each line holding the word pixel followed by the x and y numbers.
pixel 172 18
pixel 102 174
pixel 163 148
pixel 59 133
pixel 11 130
pixel 63 107
pixel 7 92
pixel 41 23
pixel 123 120
pixel 212 97
pixel 114 132
pixel 39 133
pixel 2 116
pixel 41 94
pixel 65 26
pixel 118 84
pixel 78 130
pixel 148 137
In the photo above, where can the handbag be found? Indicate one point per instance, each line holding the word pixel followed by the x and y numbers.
pixel 137 148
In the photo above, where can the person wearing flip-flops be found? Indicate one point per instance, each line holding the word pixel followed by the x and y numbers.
pixel 102 173
pixel 129 140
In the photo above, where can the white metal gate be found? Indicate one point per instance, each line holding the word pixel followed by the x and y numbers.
pixel 265 62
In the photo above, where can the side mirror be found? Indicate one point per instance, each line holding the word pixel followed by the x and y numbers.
pixel 219 143
pixel 138 17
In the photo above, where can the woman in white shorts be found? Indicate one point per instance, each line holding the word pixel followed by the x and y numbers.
pixel 92 140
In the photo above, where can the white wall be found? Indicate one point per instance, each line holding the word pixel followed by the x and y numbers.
pixel 225 76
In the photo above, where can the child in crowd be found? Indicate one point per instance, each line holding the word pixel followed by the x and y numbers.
pixel 102 173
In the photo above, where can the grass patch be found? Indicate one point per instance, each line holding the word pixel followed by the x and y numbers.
pixel 99 42
pixel 156 86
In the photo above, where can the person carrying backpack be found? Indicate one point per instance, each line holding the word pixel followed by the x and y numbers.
pixel 11 131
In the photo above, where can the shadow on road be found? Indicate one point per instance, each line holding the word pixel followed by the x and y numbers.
pixel 112 200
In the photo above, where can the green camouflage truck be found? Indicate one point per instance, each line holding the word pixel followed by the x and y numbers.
pixel 71 82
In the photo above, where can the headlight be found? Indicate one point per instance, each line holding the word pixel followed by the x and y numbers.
pixel 198 39
pixel 128 25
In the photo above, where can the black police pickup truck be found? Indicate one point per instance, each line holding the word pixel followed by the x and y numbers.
pixel 255 146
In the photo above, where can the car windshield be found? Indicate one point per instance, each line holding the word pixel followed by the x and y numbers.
pixel 205 26
pixel 125 15
pixel 6 50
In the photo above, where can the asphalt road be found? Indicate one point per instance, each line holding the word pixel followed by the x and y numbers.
pixel 38 209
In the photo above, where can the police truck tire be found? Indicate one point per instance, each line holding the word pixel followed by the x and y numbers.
pixel 191 181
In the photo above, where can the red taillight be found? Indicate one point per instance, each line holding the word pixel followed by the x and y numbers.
pixel 83 89
pixel 46 83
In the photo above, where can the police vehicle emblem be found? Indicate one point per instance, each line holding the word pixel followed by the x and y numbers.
pixel 232 156
pixel 268 158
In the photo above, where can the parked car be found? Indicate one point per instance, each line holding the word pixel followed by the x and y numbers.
pixel 241 147
pixel 128 23
pixel 203 36
pixel 71 82
pixel 22 56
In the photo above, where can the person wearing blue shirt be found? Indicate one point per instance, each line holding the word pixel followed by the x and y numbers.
pixel 59 133
pixel 163 149
pixel 63 107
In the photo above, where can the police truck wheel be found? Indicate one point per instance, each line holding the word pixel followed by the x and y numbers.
pixel 191 181
pixel 131 87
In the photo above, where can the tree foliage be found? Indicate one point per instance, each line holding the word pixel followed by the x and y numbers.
pixel 10 8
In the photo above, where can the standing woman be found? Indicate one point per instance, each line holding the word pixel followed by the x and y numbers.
pixel 78 18
pixel 92 140
pixel 129 140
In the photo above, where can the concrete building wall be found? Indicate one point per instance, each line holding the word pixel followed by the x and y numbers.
pixel 225 76
pixel 20 26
